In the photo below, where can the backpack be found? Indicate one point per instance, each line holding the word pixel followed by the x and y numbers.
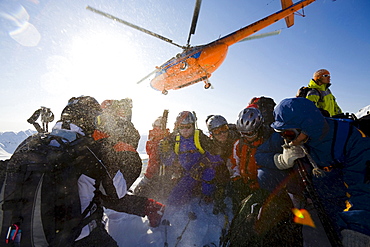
pixel 264 219
pixel 303 92
pixel 40 204
pixel 266 106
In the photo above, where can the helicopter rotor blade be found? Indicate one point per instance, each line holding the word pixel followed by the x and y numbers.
pixel 262 35
pixel 146 77
pixel 195 20
pixel 133 26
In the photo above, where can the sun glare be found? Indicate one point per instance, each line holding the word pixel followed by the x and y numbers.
pixel 94 63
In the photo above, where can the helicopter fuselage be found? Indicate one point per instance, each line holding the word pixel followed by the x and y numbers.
pixel 191 66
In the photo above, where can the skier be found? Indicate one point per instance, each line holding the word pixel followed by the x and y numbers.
pixel 101 168
pixel 185 154
pixel 243 165
pixel 223 136
pixel 321 94
pixel 344 190
pixel 260 218
pixel 151 185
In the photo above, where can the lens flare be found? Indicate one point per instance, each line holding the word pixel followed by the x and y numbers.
pixel 303 217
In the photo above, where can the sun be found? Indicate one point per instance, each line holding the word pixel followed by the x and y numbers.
pixel 95 62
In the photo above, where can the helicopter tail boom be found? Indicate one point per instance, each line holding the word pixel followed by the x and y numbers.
pixel 265 22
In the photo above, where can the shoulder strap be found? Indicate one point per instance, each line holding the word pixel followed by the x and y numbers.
pixel 320 94
pixel 177 144
pixel 196 142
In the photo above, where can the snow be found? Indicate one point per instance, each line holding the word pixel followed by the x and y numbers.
pixel 192 224
pixel 10 140
pixel 363 112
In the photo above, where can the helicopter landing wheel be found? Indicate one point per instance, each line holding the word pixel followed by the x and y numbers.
pixel 164 92
pixel 207 85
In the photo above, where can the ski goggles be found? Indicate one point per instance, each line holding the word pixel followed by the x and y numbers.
pixel 289 134
pixel 220 130
pixel 249 134
pixel 327 75
pixel 185 126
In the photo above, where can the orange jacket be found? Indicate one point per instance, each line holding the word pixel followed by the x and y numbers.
pixel 152 149
pixel 243 162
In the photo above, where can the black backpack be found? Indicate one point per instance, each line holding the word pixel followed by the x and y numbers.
pixel 40 204
pixel 264 219
pixel 303 92
pixel 266 106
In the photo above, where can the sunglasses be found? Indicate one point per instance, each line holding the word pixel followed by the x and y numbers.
pixel 326 75
pixel 189 126
pixel 220 130
pixel 289 134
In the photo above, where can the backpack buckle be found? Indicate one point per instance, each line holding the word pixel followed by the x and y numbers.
pixel 12 234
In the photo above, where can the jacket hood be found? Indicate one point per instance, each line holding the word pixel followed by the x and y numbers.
pixel 300 113
pixel 322 87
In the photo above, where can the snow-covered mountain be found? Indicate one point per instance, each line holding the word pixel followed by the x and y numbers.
pixel 10 140
pixel 363 112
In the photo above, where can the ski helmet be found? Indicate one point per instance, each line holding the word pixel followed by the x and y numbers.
pixel 249 121
pixel 215 121
pixel 158 122
pixel 185 117
pixel 81 111
pixel 319 73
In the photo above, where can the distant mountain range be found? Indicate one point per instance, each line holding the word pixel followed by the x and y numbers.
pixel 9 141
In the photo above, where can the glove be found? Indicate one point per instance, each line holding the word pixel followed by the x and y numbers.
pixel 141 185
pixel 286 159
pixel 154 211
pixel 164 146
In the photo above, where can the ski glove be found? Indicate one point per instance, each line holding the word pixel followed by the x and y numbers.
pixel 286 159
pixel 142 185
pixel 154 211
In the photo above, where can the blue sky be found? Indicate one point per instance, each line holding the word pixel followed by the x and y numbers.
pixel 52 50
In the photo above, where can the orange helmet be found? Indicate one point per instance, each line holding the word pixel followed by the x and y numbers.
pixel 318 74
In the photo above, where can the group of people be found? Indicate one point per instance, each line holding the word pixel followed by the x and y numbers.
pixel 260 151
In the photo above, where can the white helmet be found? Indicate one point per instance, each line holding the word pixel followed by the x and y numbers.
pixel 249 121
pixel 185 117
pixel 215 121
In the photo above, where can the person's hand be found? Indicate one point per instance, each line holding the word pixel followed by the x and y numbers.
pixel 154 211
pixel 286 159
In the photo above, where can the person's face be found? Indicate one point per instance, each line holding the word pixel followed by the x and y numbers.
pixel 186 130
pixel 325 79
pixel 294 137
pixel 221 133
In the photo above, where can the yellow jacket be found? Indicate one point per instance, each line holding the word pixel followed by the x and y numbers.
pixel 325 99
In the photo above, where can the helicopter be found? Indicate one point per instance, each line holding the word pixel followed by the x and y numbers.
pixel 197 63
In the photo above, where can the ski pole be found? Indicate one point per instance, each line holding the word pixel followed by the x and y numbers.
pixel 191 216
pixel 316 171
pixel 165 223
pixel 312 193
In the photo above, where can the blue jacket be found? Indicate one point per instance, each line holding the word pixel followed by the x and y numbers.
pixel 198 170
pixel 351 178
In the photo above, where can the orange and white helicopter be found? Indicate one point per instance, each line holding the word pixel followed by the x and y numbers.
pixel 197 63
